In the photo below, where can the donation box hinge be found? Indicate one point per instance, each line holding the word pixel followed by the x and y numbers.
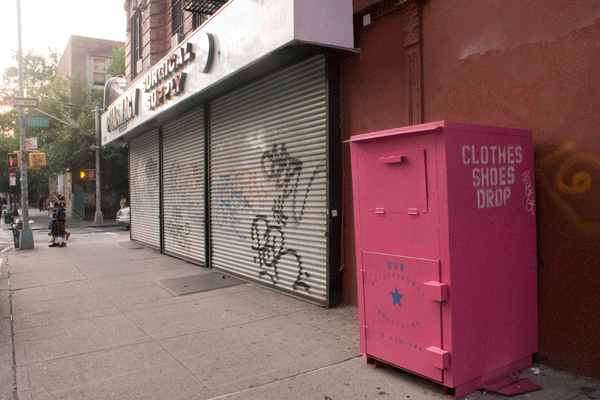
pixel 437 291
pixel 437 357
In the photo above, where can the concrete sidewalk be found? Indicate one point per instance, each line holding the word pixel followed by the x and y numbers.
pixel 92 321
pixel 39 221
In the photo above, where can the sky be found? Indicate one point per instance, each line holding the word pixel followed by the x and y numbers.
pixel 50 24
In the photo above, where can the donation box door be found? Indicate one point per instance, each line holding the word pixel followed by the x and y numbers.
pixel 402 319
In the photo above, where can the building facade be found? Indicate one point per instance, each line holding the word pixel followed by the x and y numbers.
pixel 154 28
pixel 234 137
pixel 87 60
pixel 236 121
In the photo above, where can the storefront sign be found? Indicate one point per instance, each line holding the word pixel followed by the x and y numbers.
pixel 181 56
pixel 206 50
pixel 163 82
pixel 242 33
pixel 123 110
pixel 172 87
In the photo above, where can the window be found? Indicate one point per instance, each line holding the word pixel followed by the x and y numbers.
pixel 136 43
pixel 176 17
pixel 100 66
pixel 197 20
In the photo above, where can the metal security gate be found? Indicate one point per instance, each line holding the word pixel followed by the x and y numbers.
pixel 144 187
pixel 183 187
pixel 268 157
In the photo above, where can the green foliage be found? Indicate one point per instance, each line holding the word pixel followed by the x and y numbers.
pixel 38 73
pixel 116 67
pixel 66 147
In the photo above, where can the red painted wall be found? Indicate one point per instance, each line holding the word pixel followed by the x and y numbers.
pixel 535 65
pixel 373 99
pixel 531 64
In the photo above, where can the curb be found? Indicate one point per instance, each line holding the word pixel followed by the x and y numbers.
pixel 8 378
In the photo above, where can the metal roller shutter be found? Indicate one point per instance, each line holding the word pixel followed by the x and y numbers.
pixel 183 187
pixel 144 187
pixel 268 157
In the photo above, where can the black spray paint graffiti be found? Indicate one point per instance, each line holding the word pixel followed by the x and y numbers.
pixel 178 229
pixel 146 181
pixel 269 238
pixel 150 169
pixel 186 210
pixel 277 165
pixel 269 244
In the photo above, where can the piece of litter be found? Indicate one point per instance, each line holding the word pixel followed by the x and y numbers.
pixel 535 370
pixel 510 386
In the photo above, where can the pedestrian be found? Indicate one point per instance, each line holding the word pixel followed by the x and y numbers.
pixel 14 210
pixel 58 220
pixel 41 202
pixel 123 202
pixel 50 210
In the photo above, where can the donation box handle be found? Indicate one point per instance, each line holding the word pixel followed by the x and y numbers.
pixel 391 159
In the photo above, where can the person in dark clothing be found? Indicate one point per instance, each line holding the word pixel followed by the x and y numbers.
pixel 58 219
pixel 14 211
pixel 41 202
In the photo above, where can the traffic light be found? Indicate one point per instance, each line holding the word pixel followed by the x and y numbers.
pixel 88 174
pixel 14 160
pixel 36 160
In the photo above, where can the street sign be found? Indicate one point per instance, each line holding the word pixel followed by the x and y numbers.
pixel 12 177
pixel 24 102
pixel 41 122
pixel 31 143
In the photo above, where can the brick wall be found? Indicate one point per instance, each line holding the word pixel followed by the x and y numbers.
pixel 156 31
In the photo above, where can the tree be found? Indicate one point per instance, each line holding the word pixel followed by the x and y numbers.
pixel 38 73
pixel 116 67
pixel 66 147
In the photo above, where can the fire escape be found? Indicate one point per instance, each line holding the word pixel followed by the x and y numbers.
pixel 206 8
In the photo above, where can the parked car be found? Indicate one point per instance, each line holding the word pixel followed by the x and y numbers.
pixel 123 217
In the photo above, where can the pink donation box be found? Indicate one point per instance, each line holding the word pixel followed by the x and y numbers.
pixel 446 250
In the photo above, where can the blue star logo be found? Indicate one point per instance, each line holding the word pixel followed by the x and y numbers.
pixel 397 297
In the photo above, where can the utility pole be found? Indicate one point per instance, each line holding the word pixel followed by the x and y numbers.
pixel 25 236
pixel 98 218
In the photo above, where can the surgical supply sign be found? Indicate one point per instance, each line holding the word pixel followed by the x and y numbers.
pixel 492 172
